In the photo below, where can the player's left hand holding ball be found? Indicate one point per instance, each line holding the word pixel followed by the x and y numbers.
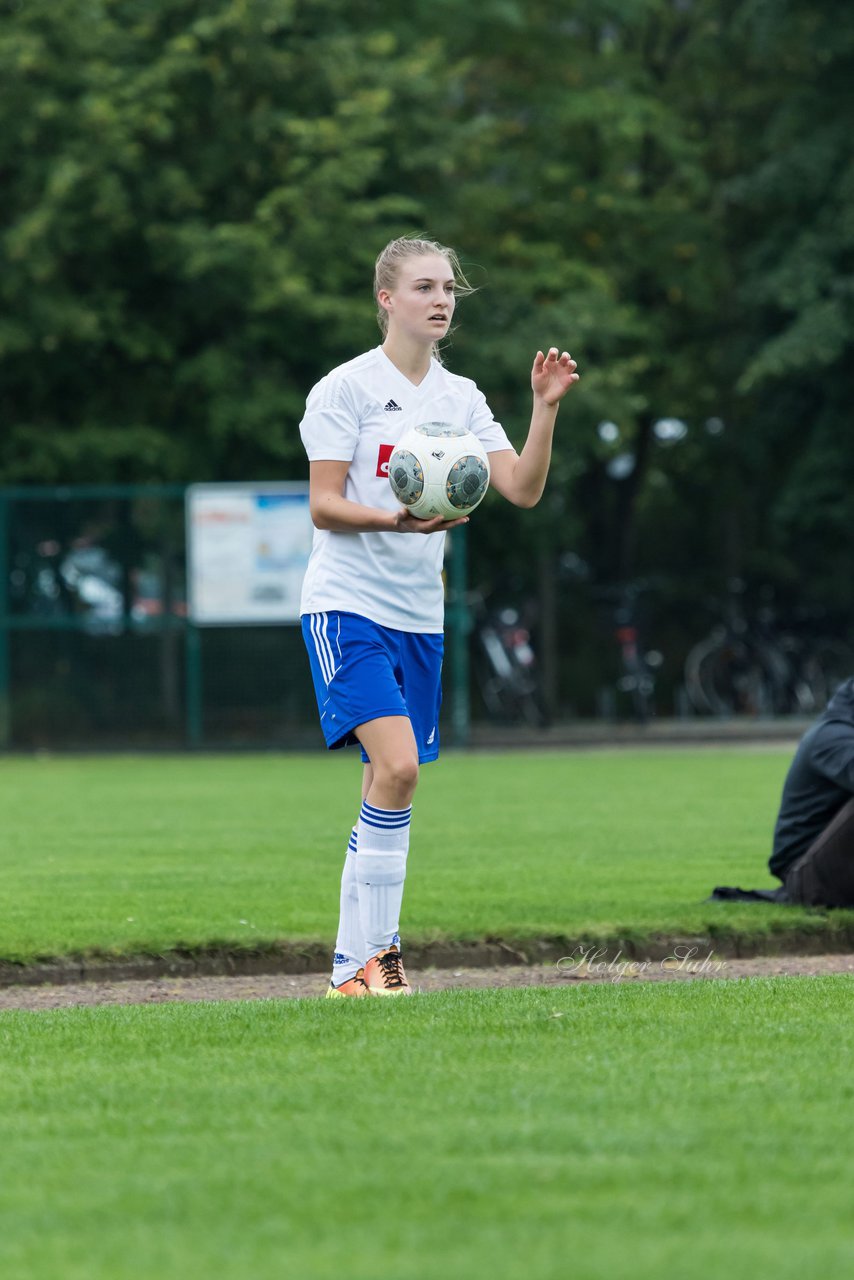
pixel 552 375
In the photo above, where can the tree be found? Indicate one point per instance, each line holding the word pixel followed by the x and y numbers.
pixel 794 208
pixel 193 191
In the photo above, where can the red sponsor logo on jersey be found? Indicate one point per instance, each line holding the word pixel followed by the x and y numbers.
pixel 386 450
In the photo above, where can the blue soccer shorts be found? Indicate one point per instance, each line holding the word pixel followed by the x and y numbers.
pixel 362 671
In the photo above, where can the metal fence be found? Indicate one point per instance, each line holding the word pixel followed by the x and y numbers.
pixel 98 649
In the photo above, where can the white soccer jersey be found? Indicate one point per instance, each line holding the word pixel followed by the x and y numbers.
pixel 357 414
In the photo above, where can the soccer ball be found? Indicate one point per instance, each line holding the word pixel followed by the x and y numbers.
pixel 439 470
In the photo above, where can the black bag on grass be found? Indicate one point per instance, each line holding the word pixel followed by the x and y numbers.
pixel 729 893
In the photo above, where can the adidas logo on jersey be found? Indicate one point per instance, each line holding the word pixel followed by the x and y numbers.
pixel 391 407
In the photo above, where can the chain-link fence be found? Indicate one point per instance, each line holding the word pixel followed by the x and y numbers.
pixel 98 649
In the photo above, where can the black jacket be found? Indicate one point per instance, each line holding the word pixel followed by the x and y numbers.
pixel 819 782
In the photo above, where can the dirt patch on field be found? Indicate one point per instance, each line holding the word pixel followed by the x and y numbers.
pixel 570 972
pixel 282 961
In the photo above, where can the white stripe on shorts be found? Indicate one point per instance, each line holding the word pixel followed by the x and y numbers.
pixel 325 656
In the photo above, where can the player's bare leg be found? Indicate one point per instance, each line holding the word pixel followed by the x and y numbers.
pixel 390 744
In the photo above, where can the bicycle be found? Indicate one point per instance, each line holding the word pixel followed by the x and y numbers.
pixel 751 668
pixel 505 666
pixel 639 666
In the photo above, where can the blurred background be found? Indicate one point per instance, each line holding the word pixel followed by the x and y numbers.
pixel 193 195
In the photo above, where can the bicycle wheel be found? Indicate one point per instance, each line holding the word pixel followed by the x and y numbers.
pixel 727 679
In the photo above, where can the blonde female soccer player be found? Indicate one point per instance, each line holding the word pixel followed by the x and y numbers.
pixel 372 601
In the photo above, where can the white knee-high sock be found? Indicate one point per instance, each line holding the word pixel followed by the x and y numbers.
pixel 350 943
pixel 383 844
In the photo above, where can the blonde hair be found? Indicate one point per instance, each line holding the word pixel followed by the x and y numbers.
pixel 392 256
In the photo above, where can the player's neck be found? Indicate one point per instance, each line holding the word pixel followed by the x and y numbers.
pixel 410 358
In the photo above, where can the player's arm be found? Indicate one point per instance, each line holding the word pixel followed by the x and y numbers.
pixel 331 510
pixel 521 477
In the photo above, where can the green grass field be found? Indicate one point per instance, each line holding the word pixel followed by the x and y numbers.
pixel 623 1130
pixel 641 1131
pixel 128 855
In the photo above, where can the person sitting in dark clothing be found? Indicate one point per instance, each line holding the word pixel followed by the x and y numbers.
pixel 813 851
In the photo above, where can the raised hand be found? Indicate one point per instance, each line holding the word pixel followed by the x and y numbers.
pixel 552 375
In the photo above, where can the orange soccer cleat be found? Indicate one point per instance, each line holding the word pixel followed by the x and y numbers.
pixel 384 975
pixel 354 986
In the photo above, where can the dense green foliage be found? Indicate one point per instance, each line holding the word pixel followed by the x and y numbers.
pixel 611 1131
pixel 143 856
pixel 194 192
